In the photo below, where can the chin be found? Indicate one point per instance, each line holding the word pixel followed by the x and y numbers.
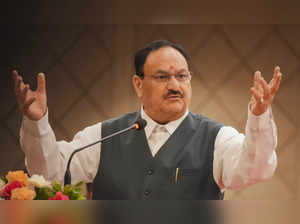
pixel 176 105
pixel 176 109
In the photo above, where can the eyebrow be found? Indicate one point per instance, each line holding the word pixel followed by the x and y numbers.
pixel 167 73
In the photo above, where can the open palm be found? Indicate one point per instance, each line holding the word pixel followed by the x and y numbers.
pixel 263 93
pixel 33 104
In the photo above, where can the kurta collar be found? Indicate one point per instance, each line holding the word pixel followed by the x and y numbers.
pixel 151 124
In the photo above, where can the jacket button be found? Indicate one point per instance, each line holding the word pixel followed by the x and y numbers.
pixel 150 172
pixel 147 192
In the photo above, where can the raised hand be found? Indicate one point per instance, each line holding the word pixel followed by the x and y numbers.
pixel 263 93
pixel 33 104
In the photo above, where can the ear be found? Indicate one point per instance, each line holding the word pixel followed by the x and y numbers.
pixel 138 85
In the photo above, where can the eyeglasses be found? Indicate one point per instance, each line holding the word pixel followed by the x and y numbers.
pixel 164 78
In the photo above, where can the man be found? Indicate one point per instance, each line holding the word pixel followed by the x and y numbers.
pixel 180 155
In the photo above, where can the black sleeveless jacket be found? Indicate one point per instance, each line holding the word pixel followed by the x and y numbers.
pixel 128 170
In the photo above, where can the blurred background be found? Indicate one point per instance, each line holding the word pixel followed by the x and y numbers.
pixel 148 212
pixel 86 50
pixel 89 68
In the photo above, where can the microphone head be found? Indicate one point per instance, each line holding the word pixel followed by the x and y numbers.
pixel 140 124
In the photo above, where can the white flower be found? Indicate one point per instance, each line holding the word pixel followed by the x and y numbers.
pixel 39 181
pixel 2 184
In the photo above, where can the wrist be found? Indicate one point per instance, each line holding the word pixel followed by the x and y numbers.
pixel 261 120
pixel 36 127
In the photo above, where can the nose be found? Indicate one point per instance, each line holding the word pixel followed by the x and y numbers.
pixel 173 83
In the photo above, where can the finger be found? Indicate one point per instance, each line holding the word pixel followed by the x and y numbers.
pixel 271 83
pixel 276 85
pixel 276 71
pixel 23 93
pixel 27 104
pixel 41 83
pixel 275 76
pixel 256 94
pixel 259 88
pixel 266 89
pixel 252 99
pixel 256 77
pixel 257 84
pixel 19 85
pixel 15 77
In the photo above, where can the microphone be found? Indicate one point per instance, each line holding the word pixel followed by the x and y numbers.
pixel 138 125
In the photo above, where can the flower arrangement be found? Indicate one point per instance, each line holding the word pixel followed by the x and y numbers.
pixel 17 185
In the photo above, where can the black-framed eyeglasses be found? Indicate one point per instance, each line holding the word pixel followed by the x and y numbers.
pixel 164 78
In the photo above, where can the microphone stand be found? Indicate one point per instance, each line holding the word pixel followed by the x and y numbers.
pixel 67 179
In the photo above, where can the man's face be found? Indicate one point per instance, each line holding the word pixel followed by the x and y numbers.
pixel 164 100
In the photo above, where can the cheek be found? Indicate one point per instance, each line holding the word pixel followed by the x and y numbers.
pixel 188 93
pixel 153 96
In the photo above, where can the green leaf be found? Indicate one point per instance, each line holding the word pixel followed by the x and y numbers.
pixel 81 197
pixel 44 193
pixel 78 184
pixel 74 192
pixel 57 187
pixel 4 179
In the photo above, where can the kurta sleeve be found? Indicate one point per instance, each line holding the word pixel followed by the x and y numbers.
pixel 241 160
pixel 48 157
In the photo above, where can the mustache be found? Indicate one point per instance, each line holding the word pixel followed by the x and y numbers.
pixel 174 92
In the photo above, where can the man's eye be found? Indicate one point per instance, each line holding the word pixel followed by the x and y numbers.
pixel 182 76
pixel 162 77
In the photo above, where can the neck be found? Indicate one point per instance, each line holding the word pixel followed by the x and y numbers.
pixel 164 119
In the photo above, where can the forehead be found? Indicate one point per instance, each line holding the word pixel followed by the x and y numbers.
pixel 165 58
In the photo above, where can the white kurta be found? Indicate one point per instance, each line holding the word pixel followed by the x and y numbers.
pixel 239 160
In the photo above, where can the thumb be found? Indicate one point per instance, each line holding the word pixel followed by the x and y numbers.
pixel 41 83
